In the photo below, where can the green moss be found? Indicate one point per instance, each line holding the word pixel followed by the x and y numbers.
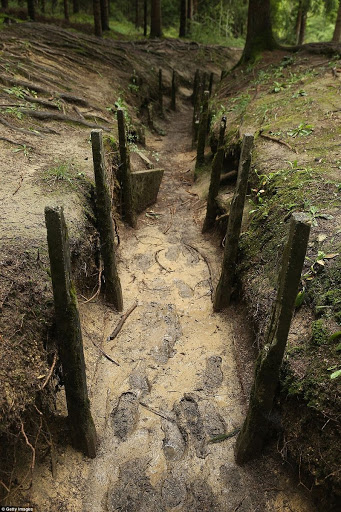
pixel 319 334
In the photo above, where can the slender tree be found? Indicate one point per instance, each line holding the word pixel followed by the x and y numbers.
pixel 155 19
pixel 301 20
pixel 4 4
pixel 66 10
pixel 259 35
pixel 337 30
pixel 75 6
pixel 97 17
pixel 183 18
pixel 145 17
pixel 105 14
pixel 31 10
pixel 137 13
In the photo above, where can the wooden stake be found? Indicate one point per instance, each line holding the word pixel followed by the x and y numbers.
pixel 224 288
pixel 113 292
pixel 253 433
pixel 217 165
pixel 174 86
pixel 129 214
pixel 70 343
pixel 202 132
pixel 161 93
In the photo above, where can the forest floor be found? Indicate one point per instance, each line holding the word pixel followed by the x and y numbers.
pixel 184 372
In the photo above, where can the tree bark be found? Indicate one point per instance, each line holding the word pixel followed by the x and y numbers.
pixel 97 17
pixel 337 30
pixel 302 27
pixel 259 35
pixel 4 4
pixel 155 19
pixel 75 6
pixel 183 18
pixel 104 15
pixel 145 18
pixel 137 13
pixel 66 10
pixel 31 10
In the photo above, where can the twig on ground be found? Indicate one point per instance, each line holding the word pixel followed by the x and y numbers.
pixel 21 130
pixel 164 416
pixel 121 322
pixel 20 183
pixel 105 354
pixel 279 141
pixel 16 143
pixel 99 286
pixel 51 371
pixel 160 264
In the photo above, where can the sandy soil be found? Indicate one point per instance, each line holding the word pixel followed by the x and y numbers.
pixel 177 385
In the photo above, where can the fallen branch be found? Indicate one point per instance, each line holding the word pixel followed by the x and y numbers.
pixel 105 354
pixel 51 370
pixel 279 141
pixel 121 322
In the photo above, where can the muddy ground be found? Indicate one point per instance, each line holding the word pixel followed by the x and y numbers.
pixel 184 372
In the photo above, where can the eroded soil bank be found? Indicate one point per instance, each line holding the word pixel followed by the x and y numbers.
pixel 177 386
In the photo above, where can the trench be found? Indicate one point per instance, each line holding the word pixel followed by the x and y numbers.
pixel 178 385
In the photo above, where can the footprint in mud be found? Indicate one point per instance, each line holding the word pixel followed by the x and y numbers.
pixel 236 488
pixel 139 382
pixel 173 252
pixel 125 415
pixel 133 491
pixel 173 492
pixel 202 498
pixel 213 376
pixel 185 291
pixel 214 424
pixel 189 420
pixel 174 443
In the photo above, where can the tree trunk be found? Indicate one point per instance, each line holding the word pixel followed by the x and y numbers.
pixel 104 15
pixel 4 4
pixel 42 6
pixel 97 17
pixel 302 27
pixel 298 22
pixel 183 18
pixel 259 35
pixel 75 6
pixel 155 19
pixel 337 30
pixel 66 10
pixel 31 10
pixel 145 18
pixel 137 13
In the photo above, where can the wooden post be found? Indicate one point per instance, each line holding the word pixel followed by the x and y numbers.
pixel 252 436
pixel 70 343
pixel 196 84
pixel 161 93
pixel 173 98
pixel 113 292
pixel 217 165
pixel 202 132
pixel 210 87
pixel 128 209
pixel 224 288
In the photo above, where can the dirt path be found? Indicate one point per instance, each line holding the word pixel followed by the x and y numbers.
pixel 177 385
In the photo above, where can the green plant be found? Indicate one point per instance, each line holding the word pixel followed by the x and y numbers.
pixel 302 130
pixel 63 172
pixel 24 148
pixel 14 111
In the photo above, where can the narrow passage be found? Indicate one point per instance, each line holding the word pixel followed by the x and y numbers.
pixel 177 386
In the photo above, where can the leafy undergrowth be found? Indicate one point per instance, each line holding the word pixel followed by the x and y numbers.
pixel 290 103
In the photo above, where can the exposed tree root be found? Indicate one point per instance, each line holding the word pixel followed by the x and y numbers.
pixel 16 128
pixel 55 116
